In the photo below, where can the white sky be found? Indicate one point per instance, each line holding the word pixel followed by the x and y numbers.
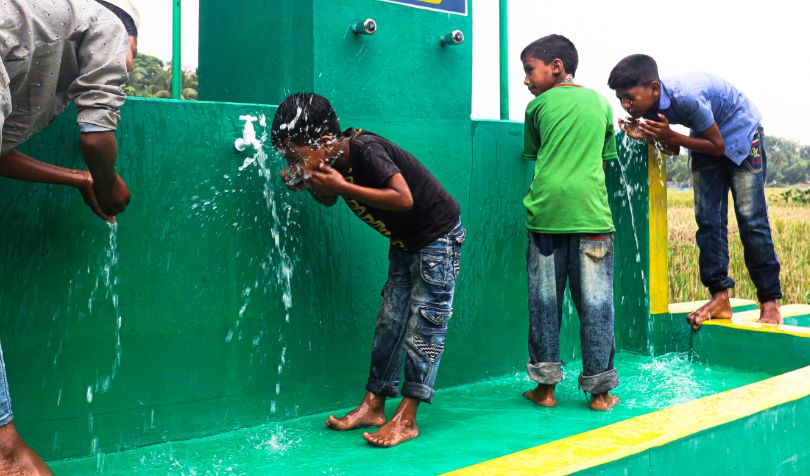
pixel 155 33
pixel 761 47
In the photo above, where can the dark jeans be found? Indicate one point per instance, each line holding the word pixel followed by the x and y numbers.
pixel 5 398
pixel 412 322
pixel 712 178
pixel 586 263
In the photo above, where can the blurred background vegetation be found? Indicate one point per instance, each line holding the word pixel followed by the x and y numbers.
pixel 152 78
pixel 788 164
pixel 790 226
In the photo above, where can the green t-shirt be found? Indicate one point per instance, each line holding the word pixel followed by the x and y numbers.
pixel 569 132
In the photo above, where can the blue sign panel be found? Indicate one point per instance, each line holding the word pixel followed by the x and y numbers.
pixel 457 7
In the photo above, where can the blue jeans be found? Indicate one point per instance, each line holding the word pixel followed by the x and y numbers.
pixel 586 263
pixel 712 177
pixel 5 399
pixel 412 322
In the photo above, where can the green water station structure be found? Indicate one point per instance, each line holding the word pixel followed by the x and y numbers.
pixel 224 317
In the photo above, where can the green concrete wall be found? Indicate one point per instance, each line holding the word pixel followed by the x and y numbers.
pixel 220 326
pixel 402 71
pixel 756 351
pixel 201 288
pixel 776 441
pixel 626 180
pixel 255 57
pixel 200 283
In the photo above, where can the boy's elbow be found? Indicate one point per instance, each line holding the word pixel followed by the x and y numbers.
pixel 407 206
pixel 406 203
pixel 720 148
pixel 96 140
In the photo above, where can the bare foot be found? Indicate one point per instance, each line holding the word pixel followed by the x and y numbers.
pixel 603 401
pixel 769 313
pixel 719 307
pixel 370 412
pixel 402 426
pixel 543 395
pixel 394 432
pixel 18 459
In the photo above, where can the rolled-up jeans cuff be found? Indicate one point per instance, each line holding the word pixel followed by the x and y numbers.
pixel 418 391
pixel 599 383
pixel 6 418
pixel 773 296
pixel 378 387
pixel 726 283
pixel 545 373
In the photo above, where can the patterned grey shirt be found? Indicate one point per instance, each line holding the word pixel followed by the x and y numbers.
pixel 53 52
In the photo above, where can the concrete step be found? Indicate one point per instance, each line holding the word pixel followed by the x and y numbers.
pixel 792 314
pixel 682 309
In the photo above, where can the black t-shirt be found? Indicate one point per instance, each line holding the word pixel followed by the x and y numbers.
pixel 372 161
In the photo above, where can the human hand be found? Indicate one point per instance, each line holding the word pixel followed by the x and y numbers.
pixel 113 198
pixel 89 195
pixel 327 180
pixel 630 126
pixel 657 130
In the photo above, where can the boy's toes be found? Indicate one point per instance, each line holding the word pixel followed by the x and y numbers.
pixel 375 440
pixel 696 319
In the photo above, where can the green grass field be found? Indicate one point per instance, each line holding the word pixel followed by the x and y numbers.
pixel 790 225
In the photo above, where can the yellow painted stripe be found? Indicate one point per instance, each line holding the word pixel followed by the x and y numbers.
pixel 788 310
pixel 635 435
pixel 659 270
pixel 687 307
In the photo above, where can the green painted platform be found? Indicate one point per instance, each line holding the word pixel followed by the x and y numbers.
pixel 466 425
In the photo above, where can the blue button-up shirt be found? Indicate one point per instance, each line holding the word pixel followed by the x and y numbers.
pixel 697 100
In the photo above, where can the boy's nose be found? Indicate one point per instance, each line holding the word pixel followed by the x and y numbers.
pixel 526 80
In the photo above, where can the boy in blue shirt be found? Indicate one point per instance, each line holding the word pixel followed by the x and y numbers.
pixel 568 133
pixel 726 145
pixel 395 194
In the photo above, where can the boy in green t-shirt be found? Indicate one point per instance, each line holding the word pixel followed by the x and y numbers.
pixel 568 132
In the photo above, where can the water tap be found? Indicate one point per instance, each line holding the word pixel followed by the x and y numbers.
pixel 365 27
pixel 248 135
pixel 455 37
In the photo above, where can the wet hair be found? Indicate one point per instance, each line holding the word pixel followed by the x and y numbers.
pixel 551 47
pixel 129 23
pixel 302 119
pixel 634 70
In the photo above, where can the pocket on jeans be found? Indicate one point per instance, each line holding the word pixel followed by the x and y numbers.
pixel 595 247
pixel 433 320
pixel 753 164
pixel 433 267
pixel 461 237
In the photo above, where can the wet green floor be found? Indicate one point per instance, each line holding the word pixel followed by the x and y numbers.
pixel 464 425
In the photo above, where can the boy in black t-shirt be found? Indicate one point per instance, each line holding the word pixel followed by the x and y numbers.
pixel 392 192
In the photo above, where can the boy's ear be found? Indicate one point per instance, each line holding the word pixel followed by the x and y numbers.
pixel 557 66
pixel 655 86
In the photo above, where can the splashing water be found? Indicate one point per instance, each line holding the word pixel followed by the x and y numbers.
pixel 105 291
pixel 279 263
pixel 107 281
pixel 629 190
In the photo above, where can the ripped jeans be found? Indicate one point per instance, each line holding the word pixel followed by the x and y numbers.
pixel 412 322
pixel 585 261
